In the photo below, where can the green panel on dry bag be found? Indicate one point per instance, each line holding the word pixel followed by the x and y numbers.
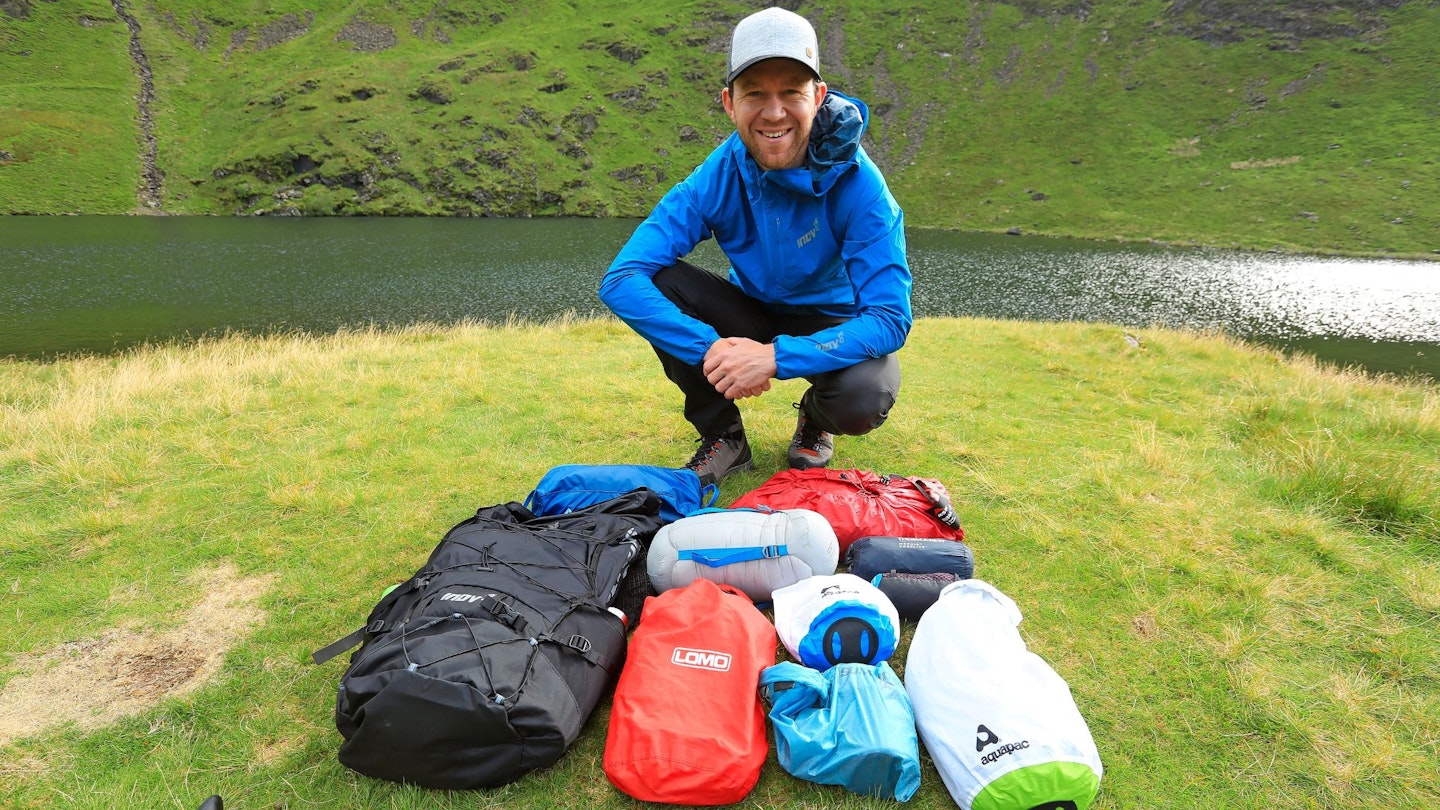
pixel 1047 786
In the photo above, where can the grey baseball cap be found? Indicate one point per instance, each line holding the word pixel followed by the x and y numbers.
pixel 773 33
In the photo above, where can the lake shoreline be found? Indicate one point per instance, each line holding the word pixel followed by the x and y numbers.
pixel 103 283
pixel 1320 252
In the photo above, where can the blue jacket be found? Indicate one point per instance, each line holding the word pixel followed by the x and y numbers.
pixel 824 239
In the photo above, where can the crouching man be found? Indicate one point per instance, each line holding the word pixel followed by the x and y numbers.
pixel 818 287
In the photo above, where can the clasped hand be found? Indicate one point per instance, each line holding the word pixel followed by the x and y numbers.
pixel 740 367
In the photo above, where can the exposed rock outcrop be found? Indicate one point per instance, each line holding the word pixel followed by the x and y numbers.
pixel 15 9
pixel 364 35
pixel 152 179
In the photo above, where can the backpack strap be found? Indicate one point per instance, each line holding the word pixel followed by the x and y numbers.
pixel 346 643
pixel 374 628
pixel 502 612
pixel 706 510
pixel 582 646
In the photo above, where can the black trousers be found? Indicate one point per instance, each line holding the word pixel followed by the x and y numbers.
pixel 849 401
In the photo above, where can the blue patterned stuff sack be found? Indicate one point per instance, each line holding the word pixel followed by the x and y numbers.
pixel 836 619
pixel 569 487
pixel 851 725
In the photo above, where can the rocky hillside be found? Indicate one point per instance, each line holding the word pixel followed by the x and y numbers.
pixel 1296 124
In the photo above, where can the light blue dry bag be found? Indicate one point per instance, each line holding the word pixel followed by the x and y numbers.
pixel 851 725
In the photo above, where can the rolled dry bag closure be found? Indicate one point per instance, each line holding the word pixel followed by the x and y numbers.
pixel 721 557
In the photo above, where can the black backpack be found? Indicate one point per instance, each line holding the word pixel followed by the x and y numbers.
pixel 486 664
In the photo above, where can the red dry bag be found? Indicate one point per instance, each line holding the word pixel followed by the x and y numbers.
pixel 687 726
pixel 859 503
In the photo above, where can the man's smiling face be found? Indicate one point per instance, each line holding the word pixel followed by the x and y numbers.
pixel 773 104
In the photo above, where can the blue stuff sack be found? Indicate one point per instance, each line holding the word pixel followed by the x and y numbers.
pixel 869 556
pixel 837 619
pixel 851 725
pixel 569 487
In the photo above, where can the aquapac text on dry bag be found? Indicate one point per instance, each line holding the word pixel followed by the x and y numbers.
pixel 686 726
pixel 860 503
pixel 486 663
pixel 999 723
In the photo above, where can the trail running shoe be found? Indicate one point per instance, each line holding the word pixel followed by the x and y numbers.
pixel 811 447
pixel 718 456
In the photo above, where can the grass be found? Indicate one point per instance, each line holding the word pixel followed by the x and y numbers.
pixel 1232 558
pixel 1300 129
pixel 68 121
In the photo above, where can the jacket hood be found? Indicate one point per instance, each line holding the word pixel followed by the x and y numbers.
pixel 835 137
pixel 833 149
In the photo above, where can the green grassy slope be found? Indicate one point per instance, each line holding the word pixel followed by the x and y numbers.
pixel 543 109
pixel 1260 124
pixel 1128 128
pixel 68 140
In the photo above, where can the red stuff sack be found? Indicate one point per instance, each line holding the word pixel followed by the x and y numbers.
pixel 687 726
pixel 859 503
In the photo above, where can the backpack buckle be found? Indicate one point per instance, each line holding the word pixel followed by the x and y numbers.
pixel 500 610
pixel 579 644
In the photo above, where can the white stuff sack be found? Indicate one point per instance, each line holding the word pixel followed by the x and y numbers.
pixel 999 723
pixel 841 618
pixel 755 551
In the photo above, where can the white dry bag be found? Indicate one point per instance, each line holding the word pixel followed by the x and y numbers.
pixel 999 723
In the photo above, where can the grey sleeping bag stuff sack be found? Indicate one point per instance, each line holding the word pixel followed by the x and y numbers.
pixel 486 664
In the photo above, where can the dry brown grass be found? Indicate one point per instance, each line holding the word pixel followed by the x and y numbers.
pixel 94 681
